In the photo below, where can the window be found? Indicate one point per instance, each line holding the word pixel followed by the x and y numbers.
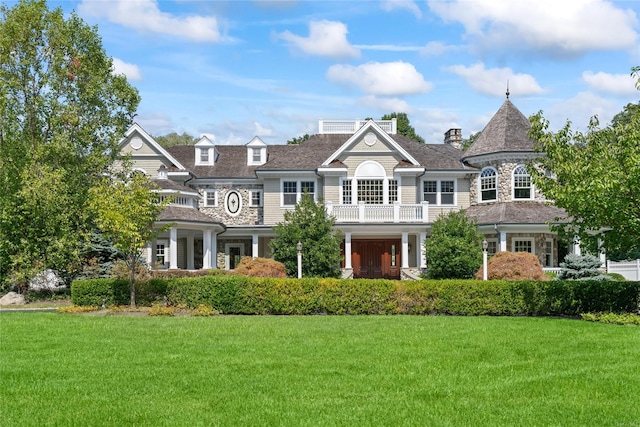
pixel 346 192
pixel 289 193
pixel 488 185
pixel 431 192
pixel 161 253
pixel 548 253
pixel 393 190
pixel 521 183
pixel 257 158
pixel 256 198
pixel 439 192
pixel 371 191
pixel 292 191
pixel 204 155
pixel 492 247
pixel 523 245
pixel 211 198
pixel 446 192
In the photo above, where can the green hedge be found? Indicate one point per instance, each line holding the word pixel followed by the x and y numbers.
pixel 232 294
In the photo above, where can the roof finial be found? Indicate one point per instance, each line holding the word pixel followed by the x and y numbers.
pixel 508 89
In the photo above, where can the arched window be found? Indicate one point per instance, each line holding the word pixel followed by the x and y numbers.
pixel 521 183
pixel 489 185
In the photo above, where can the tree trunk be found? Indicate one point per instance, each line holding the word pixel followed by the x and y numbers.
pixel 132 266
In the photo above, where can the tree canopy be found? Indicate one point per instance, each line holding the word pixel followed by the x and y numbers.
pixel 62 113
pixel 594 176
pixel 172 139
pixel 404 126
pixel 298 140
pixel 454 250
pixel 310 225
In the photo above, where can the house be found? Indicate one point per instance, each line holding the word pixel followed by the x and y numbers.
pixel 383 189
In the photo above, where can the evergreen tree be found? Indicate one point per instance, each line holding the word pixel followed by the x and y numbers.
pixel 404 126
pixel 454 250
pixel 310 225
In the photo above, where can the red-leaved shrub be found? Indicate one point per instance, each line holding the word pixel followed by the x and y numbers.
pixel 513 266
pixel 260 267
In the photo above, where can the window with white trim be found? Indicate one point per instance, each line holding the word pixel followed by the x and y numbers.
pixel 393 190
pixel 256 155
pixel 439 192
pixel 371 191
pixel 523 245
pixel 489 185
pixel 347 198
pixel 292 191
pixel 492 246
pixel 255 198
pixel 210 198
pixel 548 253
pixel 521 183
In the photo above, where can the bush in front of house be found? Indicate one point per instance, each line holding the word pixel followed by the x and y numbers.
pixel 233 294
pixel 581 267
pixel 260 267
pixel 513 266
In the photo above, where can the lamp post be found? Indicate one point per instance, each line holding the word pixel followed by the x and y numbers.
pixel 299 247
pixel 485 245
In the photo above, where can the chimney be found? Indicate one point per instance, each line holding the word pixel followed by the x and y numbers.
pixel 453 137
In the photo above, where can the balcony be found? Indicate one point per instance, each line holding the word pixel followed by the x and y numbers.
pixel 389 213
pixel 352 126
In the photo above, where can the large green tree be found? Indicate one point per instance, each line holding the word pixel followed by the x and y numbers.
pixel 62 113
pixel 594 175
pixel 404 126
pixel 310 225
pixel 454 250
pixel 173 138
pixel 125 209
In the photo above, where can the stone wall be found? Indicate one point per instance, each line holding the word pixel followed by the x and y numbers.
pixel 505 173
pixel 248 215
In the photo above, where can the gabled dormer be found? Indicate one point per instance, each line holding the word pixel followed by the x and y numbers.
pixel 206 153
pixel 256 152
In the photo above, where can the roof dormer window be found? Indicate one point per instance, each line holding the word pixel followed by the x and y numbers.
pixel 256 152
pixel 205 152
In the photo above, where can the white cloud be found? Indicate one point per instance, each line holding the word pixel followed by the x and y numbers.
pixel 262 130
pixel 411 6
pixel 385 104
pixel 580 109
pixel 386 79
pixel 616 84
pixel 326 38
pixel 146 16
pixel 551 27
pixel 438 48
pixel 493 81
pixel 131 71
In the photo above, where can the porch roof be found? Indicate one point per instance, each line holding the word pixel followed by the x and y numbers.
pixel 516 213
pixel 186 214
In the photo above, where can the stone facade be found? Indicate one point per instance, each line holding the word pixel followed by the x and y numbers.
pixel 248 215
pixel 505 180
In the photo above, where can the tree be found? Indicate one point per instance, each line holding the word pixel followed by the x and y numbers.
pixel 298 140
pixel 468 142
pixel 62 113
pixel 126 208
pixel 310 225
pixel 593 176
pixel 404 126
pixel 454 250
pixel 173 138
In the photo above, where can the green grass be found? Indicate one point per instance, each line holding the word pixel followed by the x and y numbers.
pixel 318 370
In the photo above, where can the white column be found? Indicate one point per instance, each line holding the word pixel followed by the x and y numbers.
pixel 405 249
pixel 190 254
pixel 173 248
pixel 602 253
pixel 577 250
pixel 347 250
pixel 206 249
pixel 421 251
pixel 503 241
pixel 214 251
pixel 254 246
pixel 148 252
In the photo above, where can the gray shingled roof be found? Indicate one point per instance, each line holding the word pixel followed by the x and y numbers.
pixel 178 213
pixel 309 155
pixel 516 213
pixel 167 184
pixel 507 131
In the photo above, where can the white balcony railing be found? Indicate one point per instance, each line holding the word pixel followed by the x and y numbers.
pixel 352 126
pixel 395 213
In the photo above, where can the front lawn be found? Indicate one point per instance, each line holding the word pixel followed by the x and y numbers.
pixel 316 370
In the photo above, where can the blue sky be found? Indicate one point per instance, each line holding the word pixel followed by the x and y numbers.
pixel 237 69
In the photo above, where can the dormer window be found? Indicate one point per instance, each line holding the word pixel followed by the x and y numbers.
pixel 256 152
pixel 205 152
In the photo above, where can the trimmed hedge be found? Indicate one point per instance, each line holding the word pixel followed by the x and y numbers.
pixel 232 294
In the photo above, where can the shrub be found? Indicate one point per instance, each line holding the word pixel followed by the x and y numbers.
pixel 120 270
pixel 260 267
pixel 204 310
pixel 162 310
pixel 576 267
pixel 513 266
pixel 612 318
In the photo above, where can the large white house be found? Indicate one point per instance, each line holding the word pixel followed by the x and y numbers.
pixel 384 190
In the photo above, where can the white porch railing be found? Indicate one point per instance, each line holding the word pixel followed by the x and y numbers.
pixel 629 269
pixel 352 126
pixel 395 213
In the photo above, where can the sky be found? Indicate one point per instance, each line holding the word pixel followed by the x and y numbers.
pixel 235 69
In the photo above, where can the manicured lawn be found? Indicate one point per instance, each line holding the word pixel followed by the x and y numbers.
pixel 325 370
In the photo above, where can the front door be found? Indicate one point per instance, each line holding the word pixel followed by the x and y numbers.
pixel 376 259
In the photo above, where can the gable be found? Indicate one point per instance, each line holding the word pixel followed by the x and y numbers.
pixel 145 152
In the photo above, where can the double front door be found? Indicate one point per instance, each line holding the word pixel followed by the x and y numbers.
pixel 376 259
